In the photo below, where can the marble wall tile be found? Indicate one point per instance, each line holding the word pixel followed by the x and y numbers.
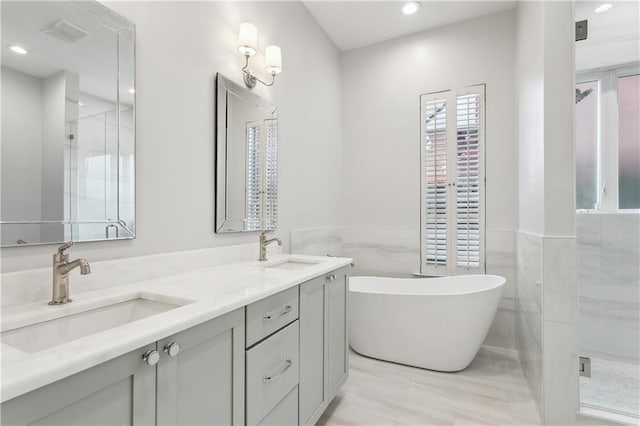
pixel 500 248
pixel 610 321
pixel 382 250
pixel 609 284
pixel 528 328
pixel 560 330
pixel 35 285
pixel 316 241
pixel 500 253
pixel 621 249
pixel 502 331
pixel 529 283
pixel 560 280
pixel 530 355
pixel 561 379
pixel 589 247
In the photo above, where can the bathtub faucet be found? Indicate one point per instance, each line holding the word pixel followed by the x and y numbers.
pixel 264 243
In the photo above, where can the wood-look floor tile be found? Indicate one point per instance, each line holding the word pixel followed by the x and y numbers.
pixel 491 391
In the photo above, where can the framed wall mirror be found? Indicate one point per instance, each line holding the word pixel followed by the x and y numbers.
pixel 68 123
pixel 246 177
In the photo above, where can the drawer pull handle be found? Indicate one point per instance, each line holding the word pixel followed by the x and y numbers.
pixel 331 277
pixel 286 309
pixel 287 364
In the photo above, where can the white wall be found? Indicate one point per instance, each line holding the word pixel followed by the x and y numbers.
pixel 21 145
pixel 180 47
pixel 54 162
pixel 21 152
pixel 530 89
pixel 381 124
pixel 381 130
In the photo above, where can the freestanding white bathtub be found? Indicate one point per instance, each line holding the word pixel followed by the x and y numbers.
pixel 434 323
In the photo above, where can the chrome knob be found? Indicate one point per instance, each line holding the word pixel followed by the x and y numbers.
pixel 331 277
pixel 151 357
pixel 172 348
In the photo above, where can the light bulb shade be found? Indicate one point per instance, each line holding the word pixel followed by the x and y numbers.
pixel 248 39
pixel 273 59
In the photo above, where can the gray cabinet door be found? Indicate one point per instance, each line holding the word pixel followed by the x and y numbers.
pixel 285 413
pixel 337 332
pixel 323 343
pixel 204 382
pixel 118 392
pixel 313 374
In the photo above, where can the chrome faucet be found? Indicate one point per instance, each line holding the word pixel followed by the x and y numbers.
pixel 61 269
pixel 264 243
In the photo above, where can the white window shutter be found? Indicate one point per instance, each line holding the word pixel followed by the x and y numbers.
pixel 434 183
pixel 469 182
pixel 452 148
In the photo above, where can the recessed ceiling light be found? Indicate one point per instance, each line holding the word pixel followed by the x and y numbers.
pixel 80 104
pixel 132 91
pixel 603 7
pixel 411 7
pixel 19 50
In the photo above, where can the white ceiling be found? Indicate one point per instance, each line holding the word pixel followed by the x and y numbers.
pixel 354 24
pixel 614 36
pixel 93 58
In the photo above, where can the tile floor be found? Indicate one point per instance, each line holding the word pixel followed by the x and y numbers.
pixel 613 385
pixel 491 391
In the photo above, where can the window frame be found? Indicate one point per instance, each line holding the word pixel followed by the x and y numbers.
pixel 451 267
pixel 607 161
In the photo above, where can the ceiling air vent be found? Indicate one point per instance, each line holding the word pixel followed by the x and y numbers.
pixel 66 31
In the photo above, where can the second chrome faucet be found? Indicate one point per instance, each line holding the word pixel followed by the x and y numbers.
pixel 264 243
pixel 61 269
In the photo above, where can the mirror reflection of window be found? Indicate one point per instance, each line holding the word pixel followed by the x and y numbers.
pixel 253 178
pixel 271 174
pixel 246 160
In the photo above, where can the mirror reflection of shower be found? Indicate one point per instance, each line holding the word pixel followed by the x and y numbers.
pixel 608 208
pixel 100 168
pixel 68 104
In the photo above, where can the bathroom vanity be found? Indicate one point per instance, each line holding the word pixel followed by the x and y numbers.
pixel 241 343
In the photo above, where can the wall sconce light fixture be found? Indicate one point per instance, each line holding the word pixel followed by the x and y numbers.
pixel 248 46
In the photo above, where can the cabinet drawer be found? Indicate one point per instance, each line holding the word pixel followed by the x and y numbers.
pixel 285 413
pixel 272 372
pixel 271 314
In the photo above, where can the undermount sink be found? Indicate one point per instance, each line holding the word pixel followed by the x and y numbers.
pixel 292 264
pixel 47 334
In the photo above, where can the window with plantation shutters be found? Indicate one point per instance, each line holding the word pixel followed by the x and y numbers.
pixel 261 180
pixel 452 186
pixel 253 178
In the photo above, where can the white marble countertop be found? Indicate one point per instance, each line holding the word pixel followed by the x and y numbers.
pixel 205 294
